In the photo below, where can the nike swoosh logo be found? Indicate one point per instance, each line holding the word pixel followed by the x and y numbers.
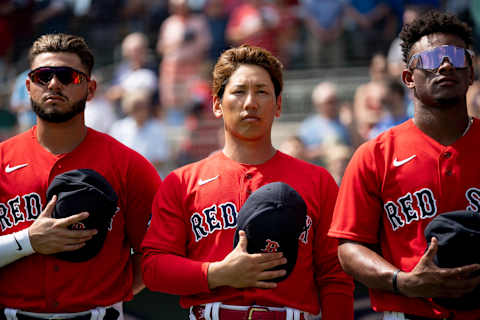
pixel 19 247
pixel 397 163
pixel 9 169
pixel 202 182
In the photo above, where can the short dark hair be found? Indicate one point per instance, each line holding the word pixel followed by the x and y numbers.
pixel 433 21
pixel 61 42
pixel 231 59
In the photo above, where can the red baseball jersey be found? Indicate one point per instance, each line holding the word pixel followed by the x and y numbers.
pixel 393 187
pixel 43 283
pixel 194 218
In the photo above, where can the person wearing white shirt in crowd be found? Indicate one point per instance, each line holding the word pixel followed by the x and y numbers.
pixel 141 131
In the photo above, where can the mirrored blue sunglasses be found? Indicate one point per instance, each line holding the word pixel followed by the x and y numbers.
pixel 432 59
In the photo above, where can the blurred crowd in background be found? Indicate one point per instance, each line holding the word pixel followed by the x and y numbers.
pixel 154 59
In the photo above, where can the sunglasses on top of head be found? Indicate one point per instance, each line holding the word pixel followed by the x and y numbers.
pixel 65 75
pixel 433 59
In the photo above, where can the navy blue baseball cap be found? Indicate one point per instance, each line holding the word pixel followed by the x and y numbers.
pixel 273 217
pixel 457 232
pixel 83 190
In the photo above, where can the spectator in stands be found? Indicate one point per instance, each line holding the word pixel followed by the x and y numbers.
pixel 473 96
pixel 156 13
pixel 372 27
pixel 473 93
pixel 369 107
pixel 337 157
pixel 217 18
pixel 294 146
pixel 288 39
pixel 134 13
pixel 323 127
pixel 6 43
pixel 255 22
pixel 52 16
pixel 230 5
pixel 324 24
pixel 17 17
pixel 475 16
pixel 203 132
pixel 103 23
pixel 135 55
pixel 141 131
pixel 136 70
pixel 100 113
pixel 8 123
pixel 20 103
pixel 183 44
pixel 395 107
pixel 378 68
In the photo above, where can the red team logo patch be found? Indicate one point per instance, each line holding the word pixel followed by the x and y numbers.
pixel 271 246
pixel 78 226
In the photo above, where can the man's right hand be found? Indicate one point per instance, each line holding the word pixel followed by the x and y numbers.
pixel 429 280
pixel 49 235
pixel 240 269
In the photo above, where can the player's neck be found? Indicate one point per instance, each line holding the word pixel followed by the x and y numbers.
pixel 249 152
pixel 444 126
pixel 59 138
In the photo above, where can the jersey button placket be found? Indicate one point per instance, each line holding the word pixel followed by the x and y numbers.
pixel 446 160
pixel 57 168
pixel 248 184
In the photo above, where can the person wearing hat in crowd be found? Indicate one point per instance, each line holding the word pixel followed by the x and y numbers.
pixel 397 183
pixel 103 206
pixel 189 248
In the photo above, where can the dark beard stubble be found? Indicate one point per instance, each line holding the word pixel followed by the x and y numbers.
pixel 59 117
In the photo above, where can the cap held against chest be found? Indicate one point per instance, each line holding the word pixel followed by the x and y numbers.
pixel 458 234
pixel 83 190
pixel 273 217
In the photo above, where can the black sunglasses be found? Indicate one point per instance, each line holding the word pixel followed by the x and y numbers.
pixel 65 75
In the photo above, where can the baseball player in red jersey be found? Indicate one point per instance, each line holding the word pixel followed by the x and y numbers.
pixel 34 283
pixel 188 247
pixel 397 183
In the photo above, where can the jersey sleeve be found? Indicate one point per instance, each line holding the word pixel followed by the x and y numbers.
pixel 165 265
pixel 335 286
pixel 141 186
pixel 359 206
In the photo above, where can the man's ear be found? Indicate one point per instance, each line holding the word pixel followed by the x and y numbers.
pixel 217 107
pixel 279 106
pixel 407 78
pixel 92 87
pixel 27 84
